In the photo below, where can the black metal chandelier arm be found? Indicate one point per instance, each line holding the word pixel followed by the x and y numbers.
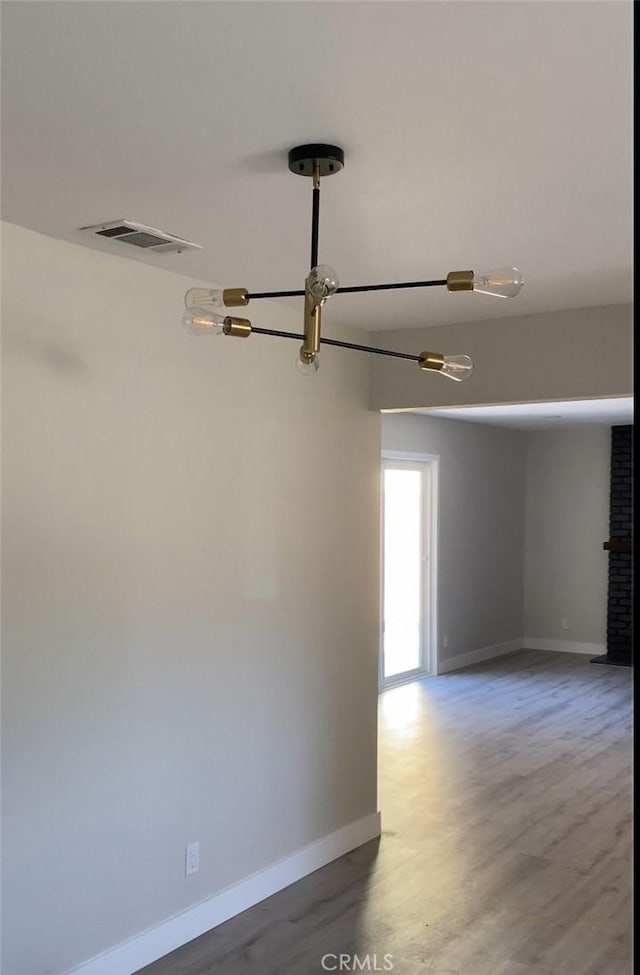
pixel 274 331
pixel 336 342
pixel 253 295
pixel 391 287
pixel 353 290
pixel 370 348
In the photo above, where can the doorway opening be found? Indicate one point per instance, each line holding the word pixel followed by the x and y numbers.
pixel 408 643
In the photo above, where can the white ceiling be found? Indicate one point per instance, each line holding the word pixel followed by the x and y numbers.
pixel 542 416
pixel 476 135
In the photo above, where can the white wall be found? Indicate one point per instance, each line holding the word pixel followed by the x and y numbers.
pixel 190 582
pixel 575 354
pixel 481 527
pixel 567 521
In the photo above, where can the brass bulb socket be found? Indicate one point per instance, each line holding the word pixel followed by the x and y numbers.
pixel 240 327
pixel 235 297
pixel 460 281
pixel 431 360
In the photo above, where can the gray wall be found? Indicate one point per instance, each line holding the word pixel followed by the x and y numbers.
pixel 190 586
pixel 481 526
pixel 567 520
pixel 523 515
pixel 576 354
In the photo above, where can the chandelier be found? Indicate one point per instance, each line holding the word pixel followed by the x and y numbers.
pixel 317 160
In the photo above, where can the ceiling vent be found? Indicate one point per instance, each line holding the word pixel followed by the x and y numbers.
pixel 144 238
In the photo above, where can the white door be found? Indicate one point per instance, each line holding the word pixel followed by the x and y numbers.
pixel 406 570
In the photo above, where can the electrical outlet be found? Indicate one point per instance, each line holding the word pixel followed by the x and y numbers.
pixel 564 623
pixel 192 859
pixel 445 641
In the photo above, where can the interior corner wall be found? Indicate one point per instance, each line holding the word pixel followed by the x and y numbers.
pixel 481 530
pixel 567 521
pixel 190 601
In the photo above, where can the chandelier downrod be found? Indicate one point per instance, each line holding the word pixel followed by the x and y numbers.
pixel 315 216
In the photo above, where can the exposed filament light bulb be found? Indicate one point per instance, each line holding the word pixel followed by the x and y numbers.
pixel 203 321
pixel 322 282
pixel 456 367
pixel 208 298
pixel 307 365
pixel 212 298
pixel 505 282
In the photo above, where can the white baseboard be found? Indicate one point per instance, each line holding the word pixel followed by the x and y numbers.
pixel 523 643
pixel 179 930
pixel 477 656
pixel 563 646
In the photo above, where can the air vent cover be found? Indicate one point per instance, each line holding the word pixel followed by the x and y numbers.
pixel 144 238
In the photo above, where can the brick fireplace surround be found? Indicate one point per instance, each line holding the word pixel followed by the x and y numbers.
pixel 620 544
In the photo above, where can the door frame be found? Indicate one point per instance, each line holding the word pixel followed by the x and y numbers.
pixel 429 466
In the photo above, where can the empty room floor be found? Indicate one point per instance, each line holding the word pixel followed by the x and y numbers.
pixel 505 792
